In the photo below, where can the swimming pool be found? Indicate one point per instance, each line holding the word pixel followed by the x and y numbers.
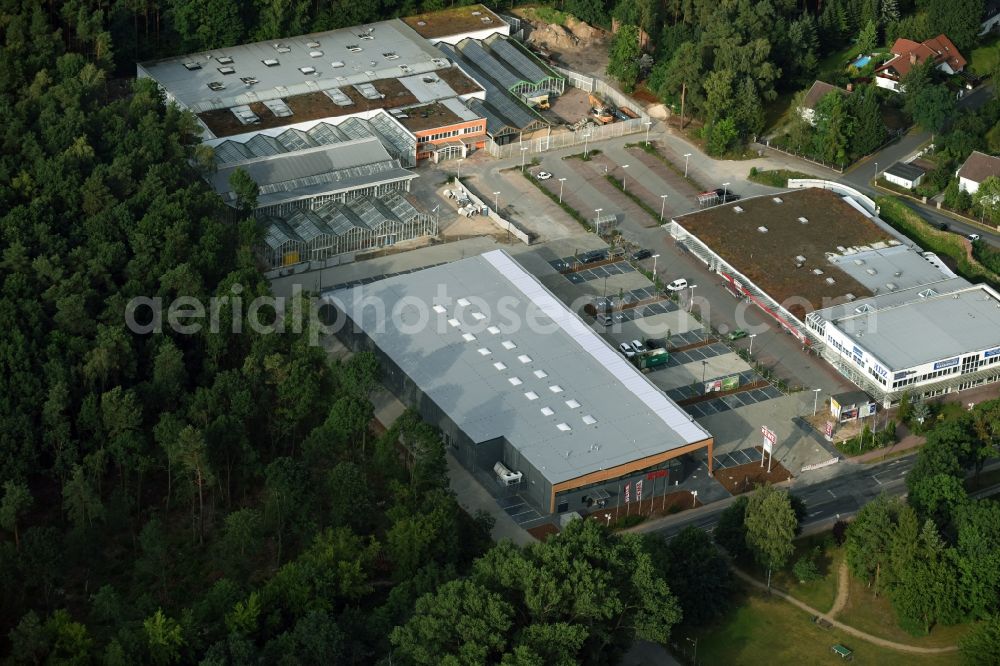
pixel 861 61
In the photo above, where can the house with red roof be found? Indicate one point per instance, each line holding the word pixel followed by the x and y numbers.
pixel 907 54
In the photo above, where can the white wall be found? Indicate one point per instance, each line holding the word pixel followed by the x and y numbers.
pixel 902 182
pixel 886 83
pixel 492 28
pixel 967 185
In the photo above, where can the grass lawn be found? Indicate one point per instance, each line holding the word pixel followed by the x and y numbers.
pixel 776 112
pixel 984 58
pixel 836 62
pixel 766 630
pixel 875 616
pixel 819 594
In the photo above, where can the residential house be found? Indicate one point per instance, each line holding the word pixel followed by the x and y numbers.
pixel 908 54
pixel 904 175
pixel 977 168
pixel 817 91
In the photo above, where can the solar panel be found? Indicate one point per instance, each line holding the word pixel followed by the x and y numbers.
pixel 488 63
pixel 517 59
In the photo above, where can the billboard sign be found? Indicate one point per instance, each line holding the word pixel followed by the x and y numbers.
pixel 869 409
pixel 849 414
pixel 946 364
pixel 660 473
pixel 991 352
pixel 714 385
pixel 829 428
pixel 731 383
pixel 638 490
pixel 628 488
pixel 834 407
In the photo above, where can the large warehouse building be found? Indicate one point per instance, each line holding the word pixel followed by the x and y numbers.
pixel 889 317
pixel 522 389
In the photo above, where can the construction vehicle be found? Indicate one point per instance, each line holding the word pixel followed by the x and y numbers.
pixel 601 110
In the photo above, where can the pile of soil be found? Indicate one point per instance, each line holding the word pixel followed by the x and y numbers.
pixel 574 34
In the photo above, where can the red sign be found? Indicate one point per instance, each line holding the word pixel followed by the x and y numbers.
pixel 829 428
pixel 768 434
pixel 627 487
pixel 638 490
pixel 658 474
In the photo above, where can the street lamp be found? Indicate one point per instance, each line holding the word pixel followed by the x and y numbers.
pixel 607 517
pixel 586 139
pixel 691 302
pixel 725 191
pixel 561 181
pixel 686 156
pixel 695 642
pixel 458 178
pixel 751 336
pixel 597 221
pixel 663 203
pixel 624 166
pixel 496 203
pixel 648 124
pixel 523 151
pixel 655 256
pixel 815 399
pixel 876 171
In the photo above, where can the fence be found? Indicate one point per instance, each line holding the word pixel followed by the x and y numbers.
pixel 504 225
pixel 866 202
pixel 581 137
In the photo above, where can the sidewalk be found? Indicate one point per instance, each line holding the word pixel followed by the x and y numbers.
pixel 907 441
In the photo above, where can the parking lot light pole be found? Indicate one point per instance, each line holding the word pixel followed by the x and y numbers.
pixel 816 399
pixel 751 336
pixel 597 221
pixel 686 157
pixel 586 140
pixel 725 191
pixel 691 301
pixel 663 203
pixel 524 149
pixel 624 166
pixel 561 181
pixel 654 265
pixel 695 642
pixel 876 171
pixel 648 124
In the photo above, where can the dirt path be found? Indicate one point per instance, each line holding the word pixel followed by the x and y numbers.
pixel 874 640
pixel 843 587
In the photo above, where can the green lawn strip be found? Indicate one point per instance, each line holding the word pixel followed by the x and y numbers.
pixel 983 59
pixel 572 212
pixel 584 157
pixel 821 593
pixel 769 630
pixel 874 615
pixel 776 177
pixel 653 150
pixel 639 202
pixel 895 213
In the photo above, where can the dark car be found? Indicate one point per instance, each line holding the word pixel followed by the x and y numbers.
pixel 641 254
pixel 943 226
pixel 595 255
pixel 726 195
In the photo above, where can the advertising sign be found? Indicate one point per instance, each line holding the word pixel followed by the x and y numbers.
pixel 714 385
pixel 731 383
pixel 768 447
pixel 660 473
pixel 946 364
pixel 869 409
pixel 638 490
pixel 628 487
pixel 829 428
pixel 991 352
pixel 768 434
pixel 849 414
pixel 834 407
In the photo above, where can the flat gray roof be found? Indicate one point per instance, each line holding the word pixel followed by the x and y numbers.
pixel 905 170
pixel 392 46
pixel 922 324
pixel 503 357
pixel 889 269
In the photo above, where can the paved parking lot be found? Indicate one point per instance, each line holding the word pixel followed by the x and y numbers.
pixel 699 353
pixel 736 458
pixel 522 512
pixel 734 401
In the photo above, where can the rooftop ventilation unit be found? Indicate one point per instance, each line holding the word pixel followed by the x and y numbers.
pixel 850 297
pixel 737 209
pixel 226 70
pixel 589 420
pixel 927 293
pixel 405 69
pixel 391 55
pixel 367 34
pixel 859 262
pixel 216 85
pixel 421 22
pixel 191 66
pixel 830 280
pixel 531 395
pixel 803 220
pixel 547 411
pixel 312 45
pixel 541 374
pixel 892 286
pixel 871 271
pixel 270 62
pixel 841 249
pixel 315 54
pixel 486 19
pixel 817 271
pixel 281 48
pixel 776 200
pixel 515 381
pixel 307 70
pixel 476 13
pixel 799 259
pixel 336 64
pixel 505 476
pixel 897 274
pixel 564 427
pixel 762 230
pixel 572 404
pixel 524 358
pixel 249 80
pixel 863 308
pixel 224 60
pixel 440 62
pixel 354 48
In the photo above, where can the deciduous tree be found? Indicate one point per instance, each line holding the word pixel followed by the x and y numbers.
pixel 770 527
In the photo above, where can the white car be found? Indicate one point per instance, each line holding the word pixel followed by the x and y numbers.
pixel 543 175
pixel 626 349
pixel 638 347
pixel 973 237
pixel 677 285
